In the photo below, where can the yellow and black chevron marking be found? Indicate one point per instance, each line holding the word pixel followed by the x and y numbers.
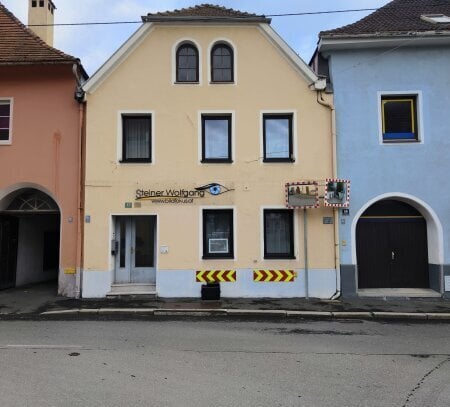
pixel 274 276
pixel 216 276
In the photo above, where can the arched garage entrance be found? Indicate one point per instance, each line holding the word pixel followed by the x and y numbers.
pixel 391 246
pixel 29 238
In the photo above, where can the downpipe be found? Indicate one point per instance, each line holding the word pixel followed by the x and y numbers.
pixel 337 259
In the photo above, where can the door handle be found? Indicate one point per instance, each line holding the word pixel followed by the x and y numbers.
pixel 132 250
pixel 392 255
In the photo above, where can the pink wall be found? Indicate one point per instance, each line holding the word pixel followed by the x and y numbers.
pixel 45 141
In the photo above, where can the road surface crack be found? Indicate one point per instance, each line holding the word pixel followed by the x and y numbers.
pixel 422 380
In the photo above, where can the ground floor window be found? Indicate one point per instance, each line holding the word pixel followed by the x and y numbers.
pixel 278 234
pixel 218 234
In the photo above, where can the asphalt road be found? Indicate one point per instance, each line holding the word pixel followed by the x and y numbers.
pixel 219 363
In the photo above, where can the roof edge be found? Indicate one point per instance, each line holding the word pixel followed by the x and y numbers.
pixel 215 19
pixel 308 74
pixel 117 58
pixel 386 34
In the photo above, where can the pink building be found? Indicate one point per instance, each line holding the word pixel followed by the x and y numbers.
pixel 41 134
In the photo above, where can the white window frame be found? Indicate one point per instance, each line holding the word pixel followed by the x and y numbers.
pixel 295 219
pixel 233 47
pixel 294 136
pixel 200 238
pixel 177 44
pixel 421 135
pixel 200 138
pixel 119 140
pixel 9 100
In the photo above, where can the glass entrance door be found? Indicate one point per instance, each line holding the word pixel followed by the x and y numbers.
pixel 135 249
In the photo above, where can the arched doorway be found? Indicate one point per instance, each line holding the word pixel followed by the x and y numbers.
pixel 29 238
pixel 391 246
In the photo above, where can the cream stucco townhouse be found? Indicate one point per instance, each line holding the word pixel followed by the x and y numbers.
pixel 207 137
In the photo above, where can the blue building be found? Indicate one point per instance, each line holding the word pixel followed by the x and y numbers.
pixel 390 75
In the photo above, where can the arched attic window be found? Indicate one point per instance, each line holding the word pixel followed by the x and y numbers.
pixel 222 63
pixel 187 63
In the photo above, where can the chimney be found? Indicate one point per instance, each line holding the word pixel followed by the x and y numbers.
pixel 40 15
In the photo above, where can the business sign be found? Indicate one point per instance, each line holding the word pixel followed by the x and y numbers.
pixel 303 195
pixel 180 195
pixel 337 193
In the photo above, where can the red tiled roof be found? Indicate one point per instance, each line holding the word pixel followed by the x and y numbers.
pixel 19 45
pixel 205 12
pixel 397 17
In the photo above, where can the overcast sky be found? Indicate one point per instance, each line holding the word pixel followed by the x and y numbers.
pixel 94 44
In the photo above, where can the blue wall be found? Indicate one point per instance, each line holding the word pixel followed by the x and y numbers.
pixel 420 170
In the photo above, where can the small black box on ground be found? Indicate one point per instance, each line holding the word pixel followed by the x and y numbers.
pixel 211 291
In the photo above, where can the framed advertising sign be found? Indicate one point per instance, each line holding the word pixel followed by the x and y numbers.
pixel 302 195
pixel 337 193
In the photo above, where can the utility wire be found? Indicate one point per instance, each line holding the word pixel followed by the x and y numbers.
pixel 306 13
pixel 222 18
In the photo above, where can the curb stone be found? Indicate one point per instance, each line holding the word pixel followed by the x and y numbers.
pixel 193 313
pixel 61 312
pixel 144 310
pixel 399 315
pixel 251 313
pixel 115 311
pixel 88 310
pixel 438 316
pixel 355 315
pixel 309 314
pixel 256 312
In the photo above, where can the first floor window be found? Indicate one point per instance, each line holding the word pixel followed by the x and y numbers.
pixel 278 234
pixel 218 234
pixel 278 138
pixel 136 138
pixel 5 120
pixel 399 118
pixel 216 138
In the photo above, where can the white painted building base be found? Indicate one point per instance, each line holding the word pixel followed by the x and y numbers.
pixel 182 284
pixel 96 283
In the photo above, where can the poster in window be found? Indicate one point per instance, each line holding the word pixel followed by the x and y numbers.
pixel 218 245
pixel 337 193
pixel 303 195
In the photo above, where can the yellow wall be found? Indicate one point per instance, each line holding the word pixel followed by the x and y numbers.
pixel 265 80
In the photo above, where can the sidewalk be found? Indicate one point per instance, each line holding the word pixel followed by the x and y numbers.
pixel 41 301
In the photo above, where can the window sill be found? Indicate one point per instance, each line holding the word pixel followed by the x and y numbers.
pixel 280 257
pixel 187 83
pixel 135 162
pixel 278 160
pixel 5 143
pixel 222 82
pixel 401 141
pixel 224 257
pixel 218 161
